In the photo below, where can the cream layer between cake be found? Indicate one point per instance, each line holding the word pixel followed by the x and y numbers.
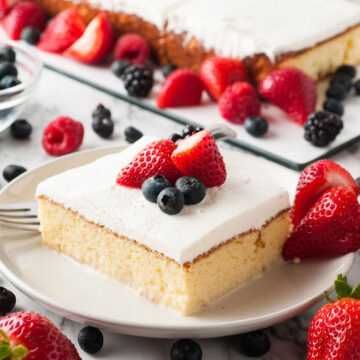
pixel 245 202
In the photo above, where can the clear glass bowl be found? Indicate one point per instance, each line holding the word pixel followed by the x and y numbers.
pixel 14 99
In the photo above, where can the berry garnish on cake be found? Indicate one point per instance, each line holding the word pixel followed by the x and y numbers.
pixel 291 90
pixel 133 48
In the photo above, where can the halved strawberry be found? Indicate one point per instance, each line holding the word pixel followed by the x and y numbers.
pixel 62 32
pixel 331 227
pixel 96 42
pixel 199 156
pixel 313 181
pixel 217 73
pixel 154 159
pixel 22 15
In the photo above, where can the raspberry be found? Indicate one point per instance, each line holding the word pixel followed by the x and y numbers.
pixel 62 136
pixel 132 47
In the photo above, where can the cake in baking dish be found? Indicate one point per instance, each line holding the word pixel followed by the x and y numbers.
pixel 315 36
pixel 184 261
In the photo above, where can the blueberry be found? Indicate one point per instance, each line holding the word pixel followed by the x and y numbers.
pixel 334 106
pixel 336 91
pixel 118 67
pixel 101 112
pixel 20 129
pixel 9 81
pixel 175 137
pixel 103 126
pixel 90 339
pixel 346 69
pixel 170 201
pixel 132 134
pixel 152 187
pixel 7 300
pixel 357 87
pixel 13 171
pixel 343 79
pixel 168 69
pixel 358 181
pixel 31 35
pixel 256 126
pixel 188 130
pixel 192 188
pixel 7 68
pixel 7 54
pixel 255 344
pixel 186 349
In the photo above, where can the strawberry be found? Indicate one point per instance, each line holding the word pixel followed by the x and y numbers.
pixel 31 336
pixel 238 102
pixel 313 181
pixel 199 156
pixel 133 48
pixel 291 90
pixel 217 73
pixel 334 332
pixel 181 88
pixel 96 42
pixel 22 15
pixel 331 227
pixel 154 159
pixel 5 5
pixel 62 32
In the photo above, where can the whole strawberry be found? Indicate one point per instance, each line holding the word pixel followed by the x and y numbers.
pixel 217 73
pixel 291 90
pixel 154 159
pixel 334 332
pixel 31 336
pixel 238 102
pixel 331 226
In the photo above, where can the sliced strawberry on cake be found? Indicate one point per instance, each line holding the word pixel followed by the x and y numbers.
pixel 199 156
pixel 96 42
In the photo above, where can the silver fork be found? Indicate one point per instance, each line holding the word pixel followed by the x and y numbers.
pixel 23 216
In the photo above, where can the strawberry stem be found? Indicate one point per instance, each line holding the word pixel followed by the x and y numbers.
pixel 344 290
pixel 9 353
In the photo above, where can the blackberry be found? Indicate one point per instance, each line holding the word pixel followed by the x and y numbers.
pixel 322 127
pixel 138 80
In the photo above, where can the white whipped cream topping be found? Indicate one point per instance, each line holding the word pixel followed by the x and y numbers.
pixel 244 202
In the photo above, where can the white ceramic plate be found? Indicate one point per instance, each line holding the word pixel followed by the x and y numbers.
pixel 83 295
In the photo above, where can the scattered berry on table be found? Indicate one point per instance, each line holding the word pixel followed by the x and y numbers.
pixel 103 126
pixel 90 339
pixel 181 88
pixel 322 127
pixel 13 171
pixel 186 349
pixel 334 106
pixel 7 68
pixel 132 47
pixel 170 201
pixel 62 136
pixel 175 137
pixel 238 102
pixel 255 344
pixel 292 90
pixel 256 126
pixel 346 69
pixel 152 187
pixel 336 91
pixel 132 134
pixel 9 81
pixel 7 300
pixel 62 32
pixel 357 87
pixel 101 111
pixel 168 69
pixel 192 188
pixel 31 35
pixel 7 54
pixel 217 73
pixel 118 67
pixel 343 79
pixel 138 80
pixel 20 129
pixel 22 15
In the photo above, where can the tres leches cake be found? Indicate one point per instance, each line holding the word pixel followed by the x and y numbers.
pixel 315 36
pixel 184 261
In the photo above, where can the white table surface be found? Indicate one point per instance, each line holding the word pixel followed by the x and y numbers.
pixel 57 96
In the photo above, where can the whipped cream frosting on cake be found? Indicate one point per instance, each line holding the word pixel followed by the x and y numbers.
pixel 245 202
